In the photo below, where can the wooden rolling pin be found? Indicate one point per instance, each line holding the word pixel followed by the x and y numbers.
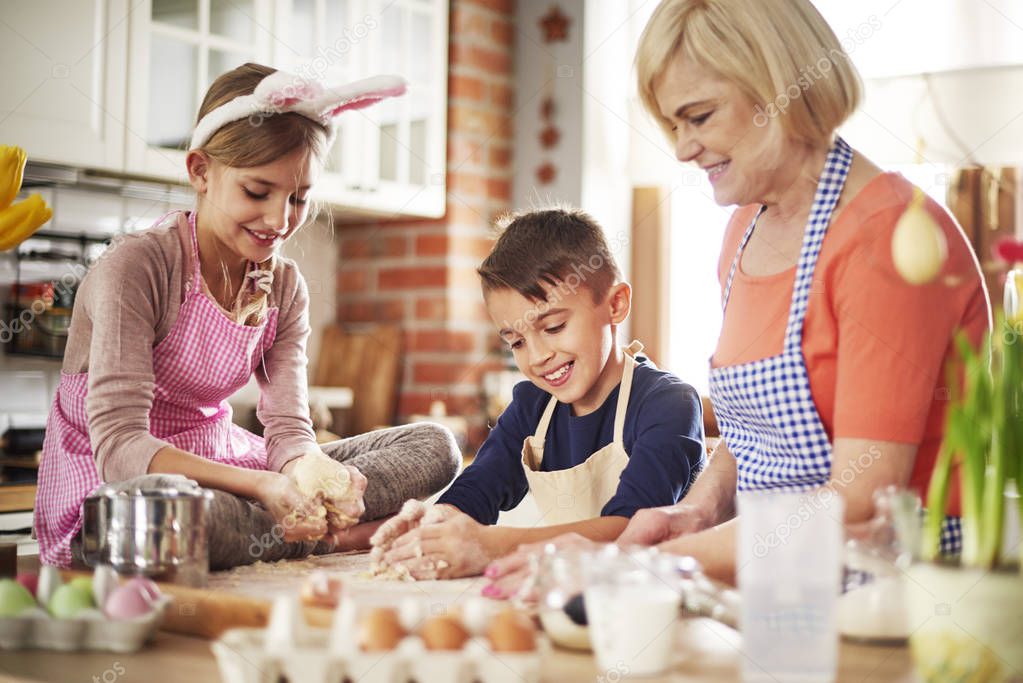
pixel 207 613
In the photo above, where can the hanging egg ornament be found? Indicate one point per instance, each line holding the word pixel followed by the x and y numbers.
pixel 919 248
pixel 1011 252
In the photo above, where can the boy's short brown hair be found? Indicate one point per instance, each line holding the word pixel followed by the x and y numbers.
pixel 551 246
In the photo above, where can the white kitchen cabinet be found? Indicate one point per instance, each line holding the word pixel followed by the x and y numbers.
pixel 389 159
pixel 122 96
pixel 178 47
pixel 63 98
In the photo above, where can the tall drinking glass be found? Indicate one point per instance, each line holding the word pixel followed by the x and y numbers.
pixel 789 571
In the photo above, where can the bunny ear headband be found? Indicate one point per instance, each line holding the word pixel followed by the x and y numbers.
pixel 282 92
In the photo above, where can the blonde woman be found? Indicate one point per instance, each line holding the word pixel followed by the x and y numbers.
pixel 829 367
pixel 175 319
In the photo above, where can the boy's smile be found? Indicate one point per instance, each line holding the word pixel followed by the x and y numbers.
pixel 564 345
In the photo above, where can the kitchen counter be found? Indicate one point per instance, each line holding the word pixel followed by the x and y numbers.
pixel 710 653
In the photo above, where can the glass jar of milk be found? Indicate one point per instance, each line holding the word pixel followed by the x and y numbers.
pixel 632 604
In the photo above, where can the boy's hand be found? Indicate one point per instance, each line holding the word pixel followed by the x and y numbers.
pixel 451 547
pixel 514 575
pixel 651 526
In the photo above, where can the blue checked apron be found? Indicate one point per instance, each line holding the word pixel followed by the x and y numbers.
pixel 764 408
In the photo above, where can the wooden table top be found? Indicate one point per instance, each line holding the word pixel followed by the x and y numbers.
pixel 707 651
pixel 710 653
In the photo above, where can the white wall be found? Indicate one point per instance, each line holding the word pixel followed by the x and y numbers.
pixel 589 77
pixel 541 70
pixel 887 38
pixel 969 109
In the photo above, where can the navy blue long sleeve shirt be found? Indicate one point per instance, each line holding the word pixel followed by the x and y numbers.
pixel 663 436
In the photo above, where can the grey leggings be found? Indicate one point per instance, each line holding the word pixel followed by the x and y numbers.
pixel 411 461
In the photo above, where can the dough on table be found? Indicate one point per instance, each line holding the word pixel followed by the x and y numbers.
pixel 413 513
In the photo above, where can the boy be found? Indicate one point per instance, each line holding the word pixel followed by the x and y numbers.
pixel 594 435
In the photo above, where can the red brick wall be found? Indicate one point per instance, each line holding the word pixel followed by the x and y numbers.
pixel 421 274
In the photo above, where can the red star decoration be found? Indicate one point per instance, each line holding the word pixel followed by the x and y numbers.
pixel 554 25
pixel 546 173
pixel 549 137
pixel 548 108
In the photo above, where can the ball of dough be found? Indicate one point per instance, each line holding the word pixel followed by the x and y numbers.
pixel 327 482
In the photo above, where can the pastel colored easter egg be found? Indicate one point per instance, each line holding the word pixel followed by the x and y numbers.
pixel 129 601
pixel 14 598
pixel 68 600
pixel 29 580
pixel 84 584
pixel 147 588
pixel 919 248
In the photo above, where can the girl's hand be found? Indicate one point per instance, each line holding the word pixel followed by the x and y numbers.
pixel 298 517
pixel 338 488
pixel 651 526
pixel 452 547
pixel 514 575
pixel 345 511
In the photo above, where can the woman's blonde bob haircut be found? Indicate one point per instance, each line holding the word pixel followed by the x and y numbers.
pixel 780 53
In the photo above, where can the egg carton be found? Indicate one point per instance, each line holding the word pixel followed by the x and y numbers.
pixel 89 630
pixel 288 650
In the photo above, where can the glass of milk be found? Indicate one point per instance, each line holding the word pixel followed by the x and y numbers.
pixel 789 570
pixel 632 604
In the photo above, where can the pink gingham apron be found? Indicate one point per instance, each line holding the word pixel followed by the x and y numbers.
pixel 205 358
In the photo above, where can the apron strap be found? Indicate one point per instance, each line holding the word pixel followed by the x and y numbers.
pixel 545 421
pixel 623 400
pixel 829 188
pixel 738 257
pixel 194 241
pixel 626 390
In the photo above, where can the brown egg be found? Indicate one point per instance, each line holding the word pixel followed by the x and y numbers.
pixel 512 631
pixel 444 632
pixel 380 630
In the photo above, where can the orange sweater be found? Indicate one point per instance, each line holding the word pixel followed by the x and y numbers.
pixel 875 347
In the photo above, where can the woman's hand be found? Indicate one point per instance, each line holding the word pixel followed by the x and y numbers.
pixel 514 575
pixel 453 546
pixel 298 517
pixel 651 526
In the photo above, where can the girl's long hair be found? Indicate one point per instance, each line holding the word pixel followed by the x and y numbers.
pixel 260 139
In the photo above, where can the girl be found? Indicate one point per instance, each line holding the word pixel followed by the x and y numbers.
pixel 173 320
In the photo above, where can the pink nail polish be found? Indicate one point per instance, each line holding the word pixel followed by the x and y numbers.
pixel 489 591
pixel 490 572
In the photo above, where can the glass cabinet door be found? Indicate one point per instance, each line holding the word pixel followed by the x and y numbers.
pixel 191 42
pixel 319 43
pixel 406 44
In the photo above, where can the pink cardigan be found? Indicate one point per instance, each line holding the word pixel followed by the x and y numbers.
pixel 126 305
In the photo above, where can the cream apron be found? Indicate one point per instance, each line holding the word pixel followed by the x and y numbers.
pixel 580 492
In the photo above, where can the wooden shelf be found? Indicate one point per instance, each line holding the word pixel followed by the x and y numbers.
pixel 16 497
